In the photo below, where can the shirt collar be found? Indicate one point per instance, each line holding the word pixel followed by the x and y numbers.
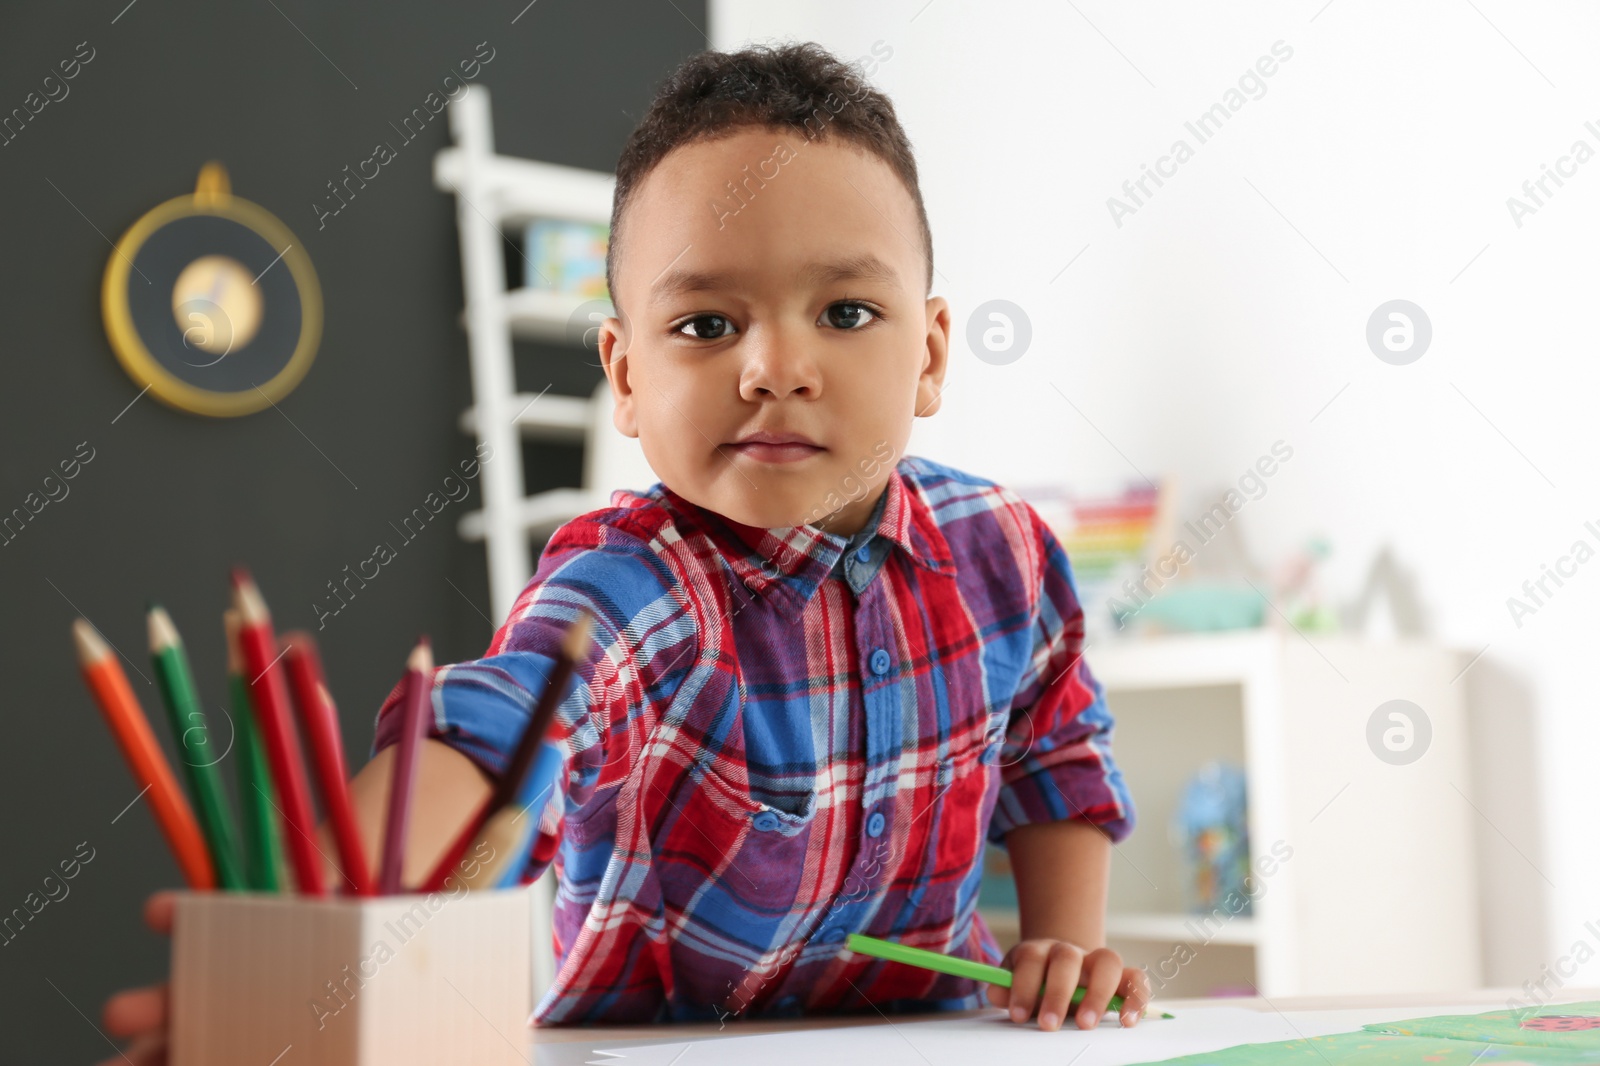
pixel 869 529
pixel 788 564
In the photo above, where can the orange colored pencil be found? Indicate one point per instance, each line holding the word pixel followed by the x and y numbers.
pixel 271 698
pixel 145 758
pixel 320 721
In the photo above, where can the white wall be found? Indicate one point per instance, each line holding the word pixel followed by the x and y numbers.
pixel 1208 325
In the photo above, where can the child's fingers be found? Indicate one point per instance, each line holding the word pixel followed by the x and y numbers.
pixel 158 911
pixel 1135 993
pixel 1061 980
pixel 136 1011
pixel 1102 973
pixel 1028 961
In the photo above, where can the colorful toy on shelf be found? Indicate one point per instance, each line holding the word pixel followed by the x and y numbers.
pixel 1300 591
pixel 1199 605
pixel 564 256
pixel 1108 534
pixel 1210 832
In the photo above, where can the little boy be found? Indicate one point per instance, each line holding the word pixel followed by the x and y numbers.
pixel 823 675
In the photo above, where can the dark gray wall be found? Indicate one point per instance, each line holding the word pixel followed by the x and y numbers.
pixel 170 500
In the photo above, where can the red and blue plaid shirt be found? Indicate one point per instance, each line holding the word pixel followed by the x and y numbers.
pixel 785 736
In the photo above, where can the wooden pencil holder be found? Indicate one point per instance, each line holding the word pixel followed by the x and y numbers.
pixel 436 978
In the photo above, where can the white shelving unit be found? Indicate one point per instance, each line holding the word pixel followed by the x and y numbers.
pixel 1173 928
pixel 493 192
pixel 1379 892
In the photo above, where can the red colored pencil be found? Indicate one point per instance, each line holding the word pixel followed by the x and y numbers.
pixel 320 721
pixel 271 695
pixel 145 758
pixel 574 643
pixel 419 690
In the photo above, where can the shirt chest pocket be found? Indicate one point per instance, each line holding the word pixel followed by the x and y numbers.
pixel 786 814
pixel 713 834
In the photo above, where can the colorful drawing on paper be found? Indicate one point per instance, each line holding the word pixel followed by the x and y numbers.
pixel 1561 1023
pixel 1564 1035
pixel 1566 1025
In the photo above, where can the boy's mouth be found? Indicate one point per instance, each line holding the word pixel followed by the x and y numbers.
pixel 766 447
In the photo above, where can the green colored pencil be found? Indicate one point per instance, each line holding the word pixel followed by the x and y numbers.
pixel 932 960
pixel 257 796
pixel 194 741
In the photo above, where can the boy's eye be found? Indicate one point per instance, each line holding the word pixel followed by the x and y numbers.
pixel 848 316
pixel 717 326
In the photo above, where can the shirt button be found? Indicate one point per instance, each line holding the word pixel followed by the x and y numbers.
pixel 880 662
pixel 766 821
pixel 863 553
pixel 788 1003
pixel 833 936
pixel 990 754
pixel 875 824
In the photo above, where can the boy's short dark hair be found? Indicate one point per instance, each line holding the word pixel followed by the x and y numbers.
pixel 803 87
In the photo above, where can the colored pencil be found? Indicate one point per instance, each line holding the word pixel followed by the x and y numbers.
pixel 574 644
pixel 414 720
pixel 258 798
pixel 194 746
pixel 320 721
pixel 932 960
pixel 131 729
pixel 271 699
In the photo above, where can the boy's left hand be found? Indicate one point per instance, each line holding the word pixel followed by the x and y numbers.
pixel 1045 973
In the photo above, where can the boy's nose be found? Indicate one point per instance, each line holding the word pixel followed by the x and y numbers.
pixel 778 368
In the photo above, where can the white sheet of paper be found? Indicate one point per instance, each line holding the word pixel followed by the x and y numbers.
pixel 994 1039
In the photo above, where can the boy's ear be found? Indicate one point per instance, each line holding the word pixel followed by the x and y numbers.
pixel 936 357
pixel 613 345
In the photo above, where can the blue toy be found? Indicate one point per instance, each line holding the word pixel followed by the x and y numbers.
pixel 1211 833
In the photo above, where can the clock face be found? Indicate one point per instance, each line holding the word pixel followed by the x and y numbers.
pixel 217 307
pixel 212 305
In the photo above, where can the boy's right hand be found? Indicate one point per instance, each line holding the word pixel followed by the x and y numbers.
pixel 140 1014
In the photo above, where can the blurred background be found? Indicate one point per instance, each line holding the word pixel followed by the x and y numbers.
pixel 1280 313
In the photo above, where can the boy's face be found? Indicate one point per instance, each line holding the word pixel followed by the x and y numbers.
pixel 772 356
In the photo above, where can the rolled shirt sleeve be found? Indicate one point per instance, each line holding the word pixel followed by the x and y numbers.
pixel 481 707
pixel 1056 762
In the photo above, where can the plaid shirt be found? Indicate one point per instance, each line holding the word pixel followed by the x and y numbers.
pixel 784 736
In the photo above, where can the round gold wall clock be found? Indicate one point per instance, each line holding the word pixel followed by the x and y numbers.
pixel 211 303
